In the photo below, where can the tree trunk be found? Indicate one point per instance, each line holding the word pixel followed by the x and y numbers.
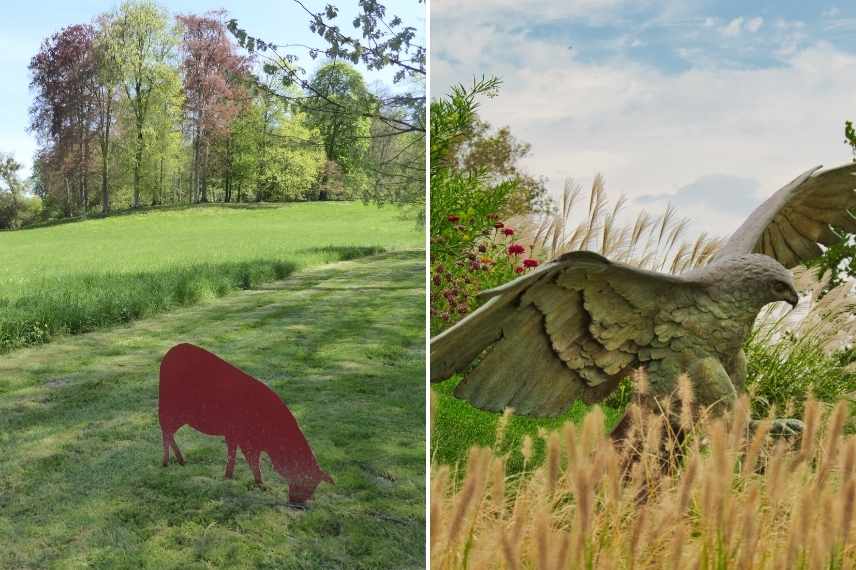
pixel 157 200
pixel 205 174
pixel 105 156
pixel 138 161
pixel 85 175
pixel 67 197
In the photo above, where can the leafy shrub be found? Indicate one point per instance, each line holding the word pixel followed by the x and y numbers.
pixel 471 248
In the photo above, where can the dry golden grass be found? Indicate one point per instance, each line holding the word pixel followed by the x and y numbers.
pixel 648 241
pixel 727 496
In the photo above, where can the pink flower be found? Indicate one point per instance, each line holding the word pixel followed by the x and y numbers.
pixel 508 231
pixel 518 269
pixel 516 249
pixel 530 263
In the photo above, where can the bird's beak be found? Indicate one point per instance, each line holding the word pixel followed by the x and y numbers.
pixel 793 298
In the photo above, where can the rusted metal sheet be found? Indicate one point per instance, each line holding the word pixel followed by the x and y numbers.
pixel 201 390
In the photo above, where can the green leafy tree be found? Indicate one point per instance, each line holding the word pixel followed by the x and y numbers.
pixel 10 192
pixel 105 87
pixel 390 170
pixel 498 154
pixel 143 40
pixel 338 105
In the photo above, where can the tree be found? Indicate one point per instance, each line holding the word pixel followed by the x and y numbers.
pixel 498 155
pixel 105 90
pixel 10 196
pixel 143 43
pixel 212 70
pixel 338 105
pixel 63 111
pixel 381 41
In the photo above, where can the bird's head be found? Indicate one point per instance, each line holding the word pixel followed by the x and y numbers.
pixel 756 277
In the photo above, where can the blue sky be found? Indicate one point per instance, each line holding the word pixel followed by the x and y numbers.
pixel 26 24
pixel 708 105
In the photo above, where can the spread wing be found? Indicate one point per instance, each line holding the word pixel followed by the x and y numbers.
pixel 791 223
pixel 570 330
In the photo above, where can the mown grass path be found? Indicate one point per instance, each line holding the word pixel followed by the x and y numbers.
pixel 81 483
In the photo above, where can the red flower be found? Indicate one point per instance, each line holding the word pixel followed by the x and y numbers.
pixel 516 249
pixel 499 225
pixel 518 269
pixel 508 231
pixel 453 218
pixel 530 263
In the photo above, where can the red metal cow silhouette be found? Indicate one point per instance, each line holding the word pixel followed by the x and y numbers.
pixel 210 395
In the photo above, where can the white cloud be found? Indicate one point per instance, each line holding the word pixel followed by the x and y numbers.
pixel 545 9
pixel 754 24
pixel 651 132
pixel 733 27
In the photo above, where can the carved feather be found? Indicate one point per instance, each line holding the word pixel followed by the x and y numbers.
pixel 803 209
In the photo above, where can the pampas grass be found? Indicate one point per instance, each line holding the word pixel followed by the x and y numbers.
pixel 727 497
pixel 649 241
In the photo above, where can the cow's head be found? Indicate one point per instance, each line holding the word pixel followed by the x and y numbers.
pixel 301 489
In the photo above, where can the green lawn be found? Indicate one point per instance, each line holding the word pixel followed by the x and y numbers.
pixel 458 426
pixel 81 276
pixel 81 485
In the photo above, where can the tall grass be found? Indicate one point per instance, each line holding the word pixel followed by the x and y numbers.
pixel 77 277
pixel 649 241
pixel 794 352
pixel 726 496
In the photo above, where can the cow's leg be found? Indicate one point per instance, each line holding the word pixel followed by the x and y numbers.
pixel 178 456
pixel 232 447
pixel 253 461
pixel 165 448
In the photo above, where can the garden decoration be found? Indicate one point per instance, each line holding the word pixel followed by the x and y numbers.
pixel 578 325
pixel 210 395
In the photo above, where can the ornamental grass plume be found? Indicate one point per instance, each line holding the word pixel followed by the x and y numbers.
pixel 731 496
pixel 654 242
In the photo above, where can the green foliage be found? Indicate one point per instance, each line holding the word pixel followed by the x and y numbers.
pixel 839 260
pixel 78 277
pixel 273 153
pixel 339 107
pixel 471 249
pixel 499 154
pixel 782 371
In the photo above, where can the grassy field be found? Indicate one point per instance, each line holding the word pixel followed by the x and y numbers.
pixel 81 276
pixel 81 485
pixel 458 426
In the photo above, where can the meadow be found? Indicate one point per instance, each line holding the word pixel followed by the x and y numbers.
pixel 81 484
pixel 77 277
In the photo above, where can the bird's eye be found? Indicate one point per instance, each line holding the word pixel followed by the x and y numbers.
pixel 780 286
